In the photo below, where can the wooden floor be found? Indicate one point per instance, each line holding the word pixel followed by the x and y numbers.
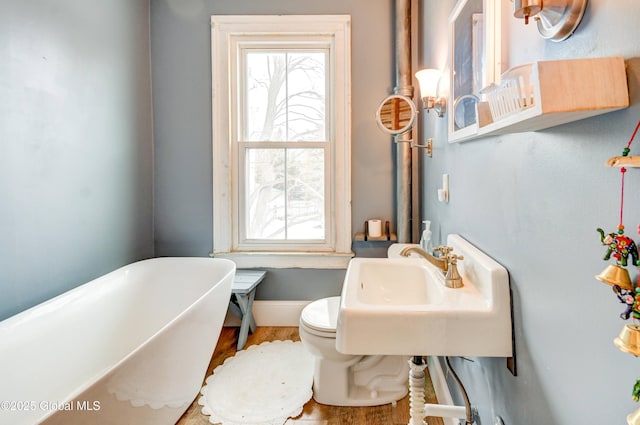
pixel 313 413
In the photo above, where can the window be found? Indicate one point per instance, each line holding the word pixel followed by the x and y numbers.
pixel 281 140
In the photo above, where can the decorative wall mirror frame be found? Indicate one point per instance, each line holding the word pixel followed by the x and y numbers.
pixel 475 61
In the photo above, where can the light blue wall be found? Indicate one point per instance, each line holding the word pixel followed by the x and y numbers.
pixel 75 144
pixel 76 177
pixel 181 63
pixel 532 201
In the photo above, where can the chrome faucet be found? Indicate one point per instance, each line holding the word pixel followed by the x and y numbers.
pixel 447 262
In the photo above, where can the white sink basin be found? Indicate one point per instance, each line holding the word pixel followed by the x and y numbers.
pixel 401 306
pixel 393 282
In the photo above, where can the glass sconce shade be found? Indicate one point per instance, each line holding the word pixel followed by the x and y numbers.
pixel 428 80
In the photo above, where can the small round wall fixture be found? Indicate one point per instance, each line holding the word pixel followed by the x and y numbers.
pixel 557 23
pixel 396 114
pixel 465 111
pixel 557 20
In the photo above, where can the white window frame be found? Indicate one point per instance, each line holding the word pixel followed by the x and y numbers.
pixel 227 33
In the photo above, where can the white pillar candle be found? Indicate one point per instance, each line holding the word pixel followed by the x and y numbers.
pixel 375 228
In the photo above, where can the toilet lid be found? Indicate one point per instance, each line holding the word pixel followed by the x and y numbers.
pixel 322 315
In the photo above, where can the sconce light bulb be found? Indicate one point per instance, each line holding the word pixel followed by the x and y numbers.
pixel 429 79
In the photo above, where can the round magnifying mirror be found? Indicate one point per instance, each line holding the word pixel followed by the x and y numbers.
pixel 396 114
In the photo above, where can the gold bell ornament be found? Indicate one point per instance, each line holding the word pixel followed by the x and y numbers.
pixel 634 418
pixel 614 274
pixel 628 340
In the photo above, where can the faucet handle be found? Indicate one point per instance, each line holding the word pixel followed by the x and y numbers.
pixel 452 278
pixel 443 250
pixel 453 258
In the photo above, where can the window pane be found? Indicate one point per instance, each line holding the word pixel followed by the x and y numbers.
pixel 285 194
pixel 285 95
pixel 265 194
pixel 305 194
pixel 306 96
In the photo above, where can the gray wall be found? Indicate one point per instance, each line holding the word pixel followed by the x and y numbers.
pixel 181 63
pixel 75 144
pixel 532 201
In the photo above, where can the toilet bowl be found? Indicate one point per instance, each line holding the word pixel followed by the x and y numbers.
pixel 346 379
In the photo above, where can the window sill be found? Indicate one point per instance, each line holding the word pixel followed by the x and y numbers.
pixel 288 260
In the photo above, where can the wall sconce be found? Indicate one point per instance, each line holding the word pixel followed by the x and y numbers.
pixel 557 19
pixel 428 80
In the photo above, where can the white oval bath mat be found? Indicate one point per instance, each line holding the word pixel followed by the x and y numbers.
pixel 264 384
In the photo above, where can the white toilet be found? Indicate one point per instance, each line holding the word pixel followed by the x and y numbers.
pixel 347 379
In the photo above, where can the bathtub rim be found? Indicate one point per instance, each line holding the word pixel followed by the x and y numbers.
pixel 27 313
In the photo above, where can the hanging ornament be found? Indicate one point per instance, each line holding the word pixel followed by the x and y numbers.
pixel 628 341
pixel 635 393
pixel 627 297
pixel 620 247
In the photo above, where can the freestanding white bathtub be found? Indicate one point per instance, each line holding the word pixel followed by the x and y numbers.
pixel 131 347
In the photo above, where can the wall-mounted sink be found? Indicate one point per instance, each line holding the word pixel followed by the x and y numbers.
pixel 401 306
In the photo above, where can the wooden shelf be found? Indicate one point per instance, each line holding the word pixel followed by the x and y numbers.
pixel 623 161
pixel 360 236
pixel 385 237
pixel 551 93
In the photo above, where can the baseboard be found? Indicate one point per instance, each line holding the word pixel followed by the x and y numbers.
pixel 440 386
pixel 278 313
pixel 272 313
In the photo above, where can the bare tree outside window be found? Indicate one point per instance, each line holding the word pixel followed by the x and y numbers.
pixel 285 101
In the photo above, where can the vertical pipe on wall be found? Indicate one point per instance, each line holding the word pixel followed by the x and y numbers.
pixel 403 150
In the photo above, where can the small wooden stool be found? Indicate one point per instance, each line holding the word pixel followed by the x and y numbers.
pixel 243 292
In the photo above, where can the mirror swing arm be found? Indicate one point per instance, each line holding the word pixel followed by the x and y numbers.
pixel 428 145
